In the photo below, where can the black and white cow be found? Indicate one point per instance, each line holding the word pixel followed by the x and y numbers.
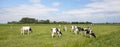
pixel 77 29
pixel 89 32
pixel 56 31
pixel 26 28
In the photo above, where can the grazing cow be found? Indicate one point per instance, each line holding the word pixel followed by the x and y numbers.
pixel 78 30
pixel 26 28
pixel 56 31
pixel 65 28
pixel 85 29
pixel 89 33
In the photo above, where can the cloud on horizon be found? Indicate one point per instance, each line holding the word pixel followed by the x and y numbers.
pixel 99 9
pixel 96 11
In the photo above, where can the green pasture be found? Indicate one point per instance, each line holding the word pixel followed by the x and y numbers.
pixel 108 35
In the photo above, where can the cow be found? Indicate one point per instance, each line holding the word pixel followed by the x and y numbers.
pixel 55 31
pixel 26 28
pixel 89 32
pixel 78 30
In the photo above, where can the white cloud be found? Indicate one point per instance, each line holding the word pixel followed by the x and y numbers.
pixel 82 11
pixel 35 10
pixel 56 4
pixel 30 10
pixel 98 10
pixel 106 5
pixel 16 13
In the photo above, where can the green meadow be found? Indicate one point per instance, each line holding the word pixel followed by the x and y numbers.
pixel 108 35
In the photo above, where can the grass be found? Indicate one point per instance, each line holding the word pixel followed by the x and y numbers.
pixel 107 36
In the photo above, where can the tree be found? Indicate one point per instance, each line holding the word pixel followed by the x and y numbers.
pixel 47 21
pixel 13 22
pixel 44 21
pixel 88 22
pixel 54 22
pixel 28 20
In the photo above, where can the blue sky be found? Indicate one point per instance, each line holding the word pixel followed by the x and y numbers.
pixel 97 11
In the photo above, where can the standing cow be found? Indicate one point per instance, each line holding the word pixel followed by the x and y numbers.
pixel 78 30
pixel 89 32
pixel 56 31
pixel 26 28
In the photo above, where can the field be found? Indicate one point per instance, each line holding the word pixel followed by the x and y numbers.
pixel 108 35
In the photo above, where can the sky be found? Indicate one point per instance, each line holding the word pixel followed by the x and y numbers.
pixel 96 11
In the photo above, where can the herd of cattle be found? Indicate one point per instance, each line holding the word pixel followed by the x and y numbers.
pixel 75 29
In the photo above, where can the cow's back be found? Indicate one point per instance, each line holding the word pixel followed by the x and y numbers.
pixel 25 27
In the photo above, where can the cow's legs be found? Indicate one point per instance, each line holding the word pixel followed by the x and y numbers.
pixel 59 34
pixel 75 32
pixel 28 32
pixel 52 35
pixel 22 32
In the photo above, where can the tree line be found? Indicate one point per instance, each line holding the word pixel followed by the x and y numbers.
pixel 27 20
